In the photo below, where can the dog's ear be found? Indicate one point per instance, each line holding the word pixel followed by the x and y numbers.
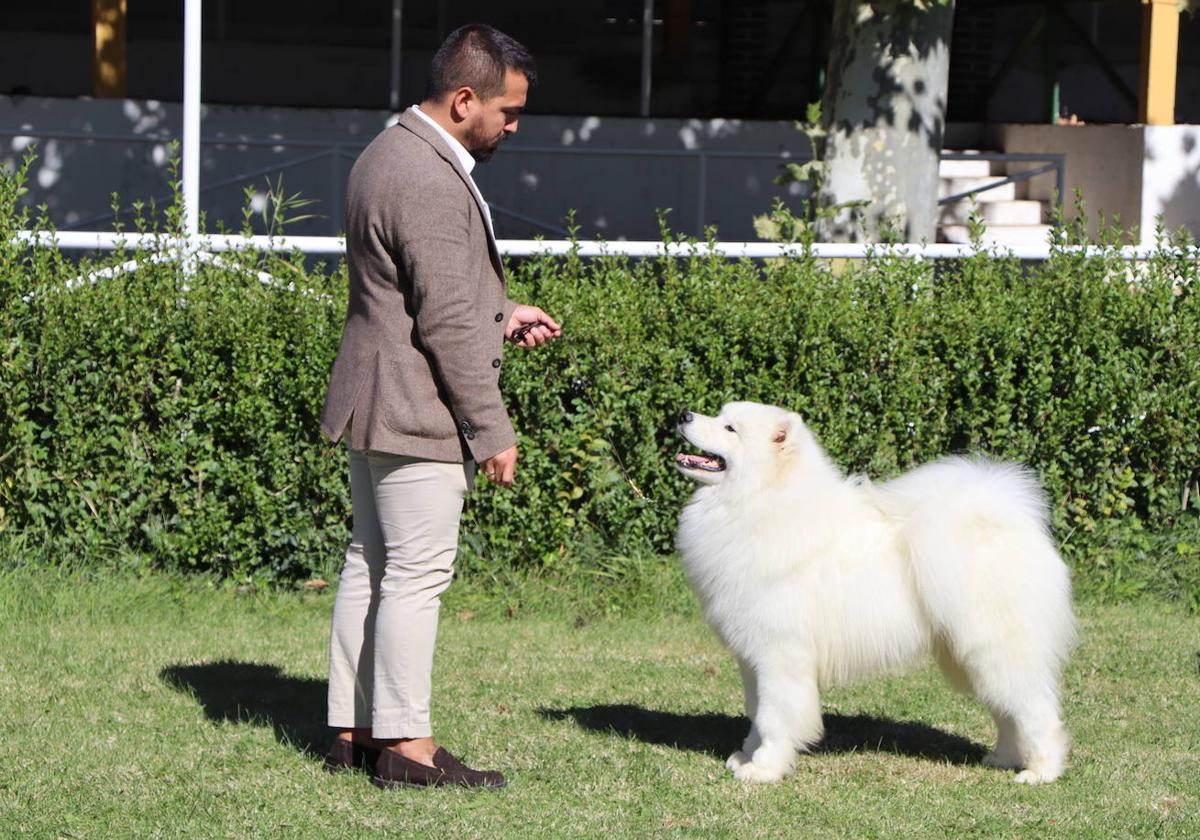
pixel 785 431
pixel 790 432
pixel 786 438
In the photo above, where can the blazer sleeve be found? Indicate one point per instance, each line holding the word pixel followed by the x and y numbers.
pixel 435 253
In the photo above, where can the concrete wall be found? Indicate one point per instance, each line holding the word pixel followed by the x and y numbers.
pixel 614 172
pixel 1133 173
pixel 1103 161
pixel 1171 178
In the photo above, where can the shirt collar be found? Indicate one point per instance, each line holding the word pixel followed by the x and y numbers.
pixel 460 151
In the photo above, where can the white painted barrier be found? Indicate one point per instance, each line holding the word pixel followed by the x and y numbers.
pixel 103 241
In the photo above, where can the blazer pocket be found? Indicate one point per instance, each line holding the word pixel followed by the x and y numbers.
pixel 412 402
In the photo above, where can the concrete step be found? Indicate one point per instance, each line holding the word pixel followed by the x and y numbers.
pixel 1019 212
pixel 1002 235
pixel 965 168
pixel 953 186
pixel 1016 212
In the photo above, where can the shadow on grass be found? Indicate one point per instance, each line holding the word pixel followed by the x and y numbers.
pixel 719 735
pixel 257 694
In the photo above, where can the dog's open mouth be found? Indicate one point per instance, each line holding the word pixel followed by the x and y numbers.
pixel 704 463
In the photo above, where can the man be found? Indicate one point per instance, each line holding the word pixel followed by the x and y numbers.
pixel 415 393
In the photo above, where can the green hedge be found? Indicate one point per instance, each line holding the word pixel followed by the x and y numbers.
pixel 154 419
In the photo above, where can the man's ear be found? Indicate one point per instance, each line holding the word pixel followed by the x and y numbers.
pixel 461 101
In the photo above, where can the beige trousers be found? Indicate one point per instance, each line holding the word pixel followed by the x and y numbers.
pixel 400 560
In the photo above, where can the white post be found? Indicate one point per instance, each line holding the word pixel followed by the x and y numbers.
pixel 397 15
pixel 191 117
pixel 647 51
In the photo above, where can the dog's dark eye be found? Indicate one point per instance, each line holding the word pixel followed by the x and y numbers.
pixel 730 429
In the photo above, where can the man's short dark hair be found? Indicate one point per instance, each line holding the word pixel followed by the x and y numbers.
pixel 477 56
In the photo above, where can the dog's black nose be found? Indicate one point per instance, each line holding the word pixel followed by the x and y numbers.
pixel 685 416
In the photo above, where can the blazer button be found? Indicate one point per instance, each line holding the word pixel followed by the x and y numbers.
pixel 499 317
pixel 495 363
pixel 470 436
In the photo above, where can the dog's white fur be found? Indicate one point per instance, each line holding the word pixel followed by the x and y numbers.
pixel 813 579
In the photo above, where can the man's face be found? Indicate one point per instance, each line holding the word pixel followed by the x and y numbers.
pixel 496 118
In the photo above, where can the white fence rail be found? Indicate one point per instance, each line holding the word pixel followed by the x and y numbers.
pixel 101 241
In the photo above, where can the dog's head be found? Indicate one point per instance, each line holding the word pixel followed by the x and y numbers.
pixel 746 441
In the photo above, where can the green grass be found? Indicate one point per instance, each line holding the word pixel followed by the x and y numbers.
pixel 162 707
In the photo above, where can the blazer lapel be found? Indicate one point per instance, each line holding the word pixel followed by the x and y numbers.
pixel 426 132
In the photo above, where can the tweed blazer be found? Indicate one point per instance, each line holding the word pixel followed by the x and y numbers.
pixel 418 369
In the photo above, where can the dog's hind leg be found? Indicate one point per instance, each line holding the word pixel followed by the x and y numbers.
pixel 750 691
pixel 1031 739
pixel 1007 754
pixel 1042 740
pixel 1031 736
pixel 787 719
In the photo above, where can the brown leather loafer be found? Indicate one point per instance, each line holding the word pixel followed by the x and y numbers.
pixel 393 770
pixel 346 755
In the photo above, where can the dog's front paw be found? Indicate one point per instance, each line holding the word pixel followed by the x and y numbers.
pixel 736 760
pixel 748 771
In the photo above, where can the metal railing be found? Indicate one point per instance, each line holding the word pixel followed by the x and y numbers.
pixel 1056 162
pixel 332 151
pixel 337 152
pixel 701 156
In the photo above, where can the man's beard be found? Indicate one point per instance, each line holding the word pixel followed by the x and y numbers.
pixel 482 148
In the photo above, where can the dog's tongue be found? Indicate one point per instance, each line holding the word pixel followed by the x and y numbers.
pixel 697 462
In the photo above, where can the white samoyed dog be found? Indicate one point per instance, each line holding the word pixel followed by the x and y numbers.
pixel 813 579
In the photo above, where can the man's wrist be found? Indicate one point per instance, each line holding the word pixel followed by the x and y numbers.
pixel 488 445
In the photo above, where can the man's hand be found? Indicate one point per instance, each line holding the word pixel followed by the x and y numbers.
pixel 500 469
pixel 529 326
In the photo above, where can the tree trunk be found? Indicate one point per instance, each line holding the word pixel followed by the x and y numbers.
pixel 885 113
